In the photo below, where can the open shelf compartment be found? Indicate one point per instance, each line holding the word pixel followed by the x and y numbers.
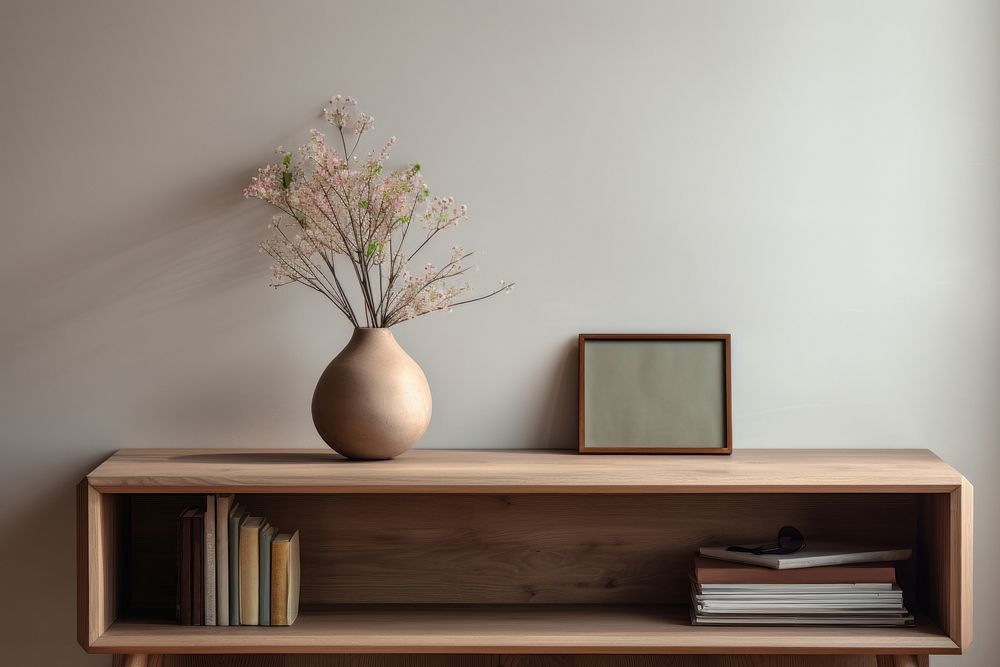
pixel 445 570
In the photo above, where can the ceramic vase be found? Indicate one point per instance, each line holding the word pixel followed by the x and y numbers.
pixel 373 400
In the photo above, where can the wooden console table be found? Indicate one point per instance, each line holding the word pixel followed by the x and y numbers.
pixel 519 553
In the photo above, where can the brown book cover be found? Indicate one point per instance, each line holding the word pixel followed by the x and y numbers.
pixel 279 580
pixel 198 567
pixel 712 571
pixel 184 563
pixel 285 576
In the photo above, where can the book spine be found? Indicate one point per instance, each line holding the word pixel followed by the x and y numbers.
pixel 234 569
pixel 715 572
pixel 197 570
pixel 222 506
pixel 279 582
pixel 249 572
pixel 183 604
pixel 265 575
pixel 209 568
pixel 294 577
pixel 177 569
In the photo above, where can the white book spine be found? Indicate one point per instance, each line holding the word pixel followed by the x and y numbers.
pixel 209 568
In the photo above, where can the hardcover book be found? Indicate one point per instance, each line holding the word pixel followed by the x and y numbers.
pixel 726 593
pixel 198 567
pixel 713 571
pixel 209 568
pixel 811 556
pixel 223 503
pixel 285 577
pixel 250 570
pixel 236 515
pixel 266 535
pixel 184 565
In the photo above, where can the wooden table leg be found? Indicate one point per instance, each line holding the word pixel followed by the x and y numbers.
pixel 902 660
pixel 142 660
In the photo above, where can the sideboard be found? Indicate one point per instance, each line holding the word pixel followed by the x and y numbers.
pixel 514 557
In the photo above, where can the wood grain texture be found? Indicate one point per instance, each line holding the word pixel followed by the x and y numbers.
pixel 137 660
pixel 960 599
pixel 502 629
pixel 688 661
pixel 535 527
pixel 523 471
pixel 359 549
pixel 97 562
pixel 83 542
pixel 520 661
pixel 335 661
pixel 944 560
pixel 933 557
pixel 901 661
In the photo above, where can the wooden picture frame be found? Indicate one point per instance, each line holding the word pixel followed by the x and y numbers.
pixel 655 394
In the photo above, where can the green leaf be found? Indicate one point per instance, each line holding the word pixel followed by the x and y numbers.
pixel 372 247
pixel 286 179
pixel 287 160
pixel 363 203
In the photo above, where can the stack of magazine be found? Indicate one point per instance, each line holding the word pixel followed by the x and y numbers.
pixel 818 586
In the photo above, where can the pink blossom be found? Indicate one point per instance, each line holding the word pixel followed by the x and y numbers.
pixel 343 217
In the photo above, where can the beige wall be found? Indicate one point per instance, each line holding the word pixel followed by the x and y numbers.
pixel 818 178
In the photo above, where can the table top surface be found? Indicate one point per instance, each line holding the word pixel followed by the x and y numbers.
pixel 524 471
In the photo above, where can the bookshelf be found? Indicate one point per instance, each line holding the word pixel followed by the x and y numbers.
pixel 519 551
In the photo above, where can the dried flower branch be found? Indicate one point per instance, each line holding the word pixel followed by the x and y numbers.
pixel 334 205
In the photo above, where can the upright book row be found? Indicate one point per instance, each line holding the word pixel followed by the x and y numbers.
pixel 234 568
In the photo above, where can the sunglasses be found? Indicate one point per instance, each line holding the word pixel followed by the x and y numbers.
pixel 789 541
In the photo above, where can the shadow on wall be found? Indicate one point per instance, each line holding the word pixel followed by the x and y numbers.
pixel 556 422
pixel 193 242
pixel 39 562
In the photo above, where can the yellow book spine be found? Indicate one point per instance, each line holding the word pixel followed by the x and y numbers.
pixel 279 583
pixel 249 575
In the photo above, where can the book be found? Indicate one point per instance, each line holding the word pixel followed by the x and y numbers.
pixel 841 606
pixel 285 578
pixel 713 571
pixel 223 503
pixel 209 568
pixel 884 620
pixel 184 563
pixel 793 604
pixel 811 556
pixel 198 567
pixel 264 581
pixel 236 515
pixel 802 590
pixel 178 559
pixel 726 593
pixel 250 570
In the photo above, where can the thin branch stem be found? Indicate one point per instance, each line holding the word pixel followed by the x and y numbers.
pixel 357 213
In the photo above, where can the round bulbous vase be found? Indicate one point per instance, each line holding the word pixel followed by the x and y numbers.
pixel 373 400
